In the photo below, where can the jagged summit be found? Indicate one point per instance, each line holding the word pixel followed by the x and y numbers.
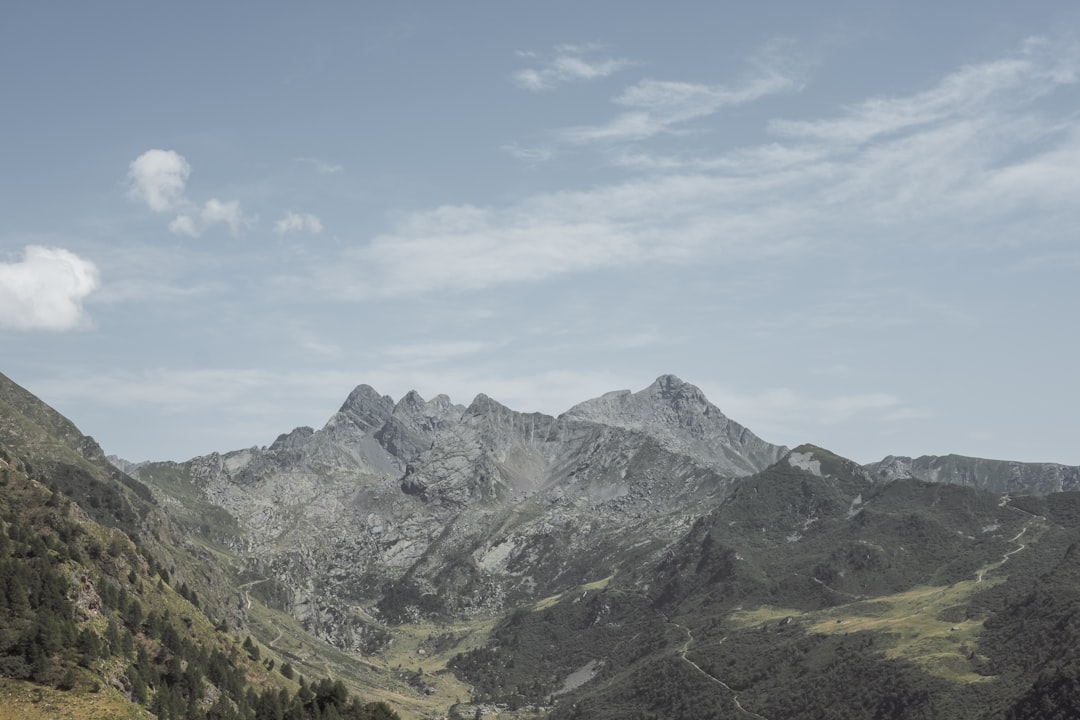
pixel 667 398
pixel 680 416
pixel 484 404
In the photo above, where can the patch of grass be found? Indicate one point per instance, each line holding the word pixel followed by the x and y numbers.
pixel 761 615
pixel 545 603
pixel 20 700
pixel 910 620
pixel 597 585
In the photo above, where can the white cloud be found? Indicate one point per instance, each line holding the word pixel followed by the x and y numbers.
pixel 298 222
pixel 184 225
pixel 570 63
pixel 46 289
pixel 1036 70
pixel 655 106
pixel 215 211
pixel 958 179
pixel 158 178
pixel 212 213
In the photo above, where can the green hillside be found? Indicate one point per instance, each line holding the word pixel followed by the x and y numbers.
pixel 96 620
pixel 817 595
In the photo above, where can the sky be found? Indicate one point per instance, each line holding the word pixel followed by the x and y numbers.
pixel 853 224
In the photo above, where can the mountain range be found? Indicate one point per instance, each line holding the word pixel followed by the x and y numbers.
pixel 640 555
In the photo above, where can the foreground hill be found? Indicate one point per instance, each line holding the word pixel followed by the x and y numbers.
pixel 93 620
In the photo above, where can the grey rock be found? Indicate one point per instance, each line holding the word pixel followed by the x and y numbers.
pixel 678 415
pixel 420 507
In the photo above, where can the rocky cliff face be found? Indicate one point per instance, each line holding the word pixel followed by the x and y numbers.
pixel 427 507
pixel 998 476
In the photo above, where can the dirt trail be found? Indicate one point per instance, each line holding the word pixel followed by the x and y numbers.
pixel 1014 539
pixel 682 654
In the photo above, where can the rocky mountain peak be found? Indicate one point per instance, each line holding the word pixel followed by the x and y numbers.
pixel 680 416
pixel 413 408
pixel 366 408
pixel 412 402
pixel 671 386
pixel 668 400
pixel 483 405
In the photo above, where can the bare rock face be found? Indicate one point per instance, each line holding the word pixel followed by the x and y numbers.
pixel 999 476
pixel 423 507
pixel 679 416
pixel 416 424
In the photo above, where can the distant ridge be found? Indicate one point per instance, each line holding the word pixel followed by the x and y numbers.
pixel 1000 476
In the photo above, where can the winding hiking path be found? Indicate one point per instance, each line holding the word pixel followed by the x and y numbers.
pixel 682 654
pixel 243 588
pixel 1006 501
pixel 1005 558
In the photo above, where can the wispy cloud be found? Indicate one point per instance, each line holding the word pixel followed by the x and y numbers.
pixel 321 166
pixel 213 212
pixel 568 63
pixel 45 289
pixel 530 154
pixel 298 222
pixel 657 106
pixel 1036 70
pixel 957 179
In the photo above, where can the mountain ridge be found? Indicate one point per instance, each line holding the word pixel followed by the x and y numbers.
pixel 639 553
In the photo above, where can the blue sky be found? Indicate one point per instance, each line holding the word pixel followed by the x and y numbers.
pixel 853 224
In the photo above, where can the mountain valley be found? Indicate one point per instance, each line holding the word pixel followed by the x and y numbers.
pixel 639 556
